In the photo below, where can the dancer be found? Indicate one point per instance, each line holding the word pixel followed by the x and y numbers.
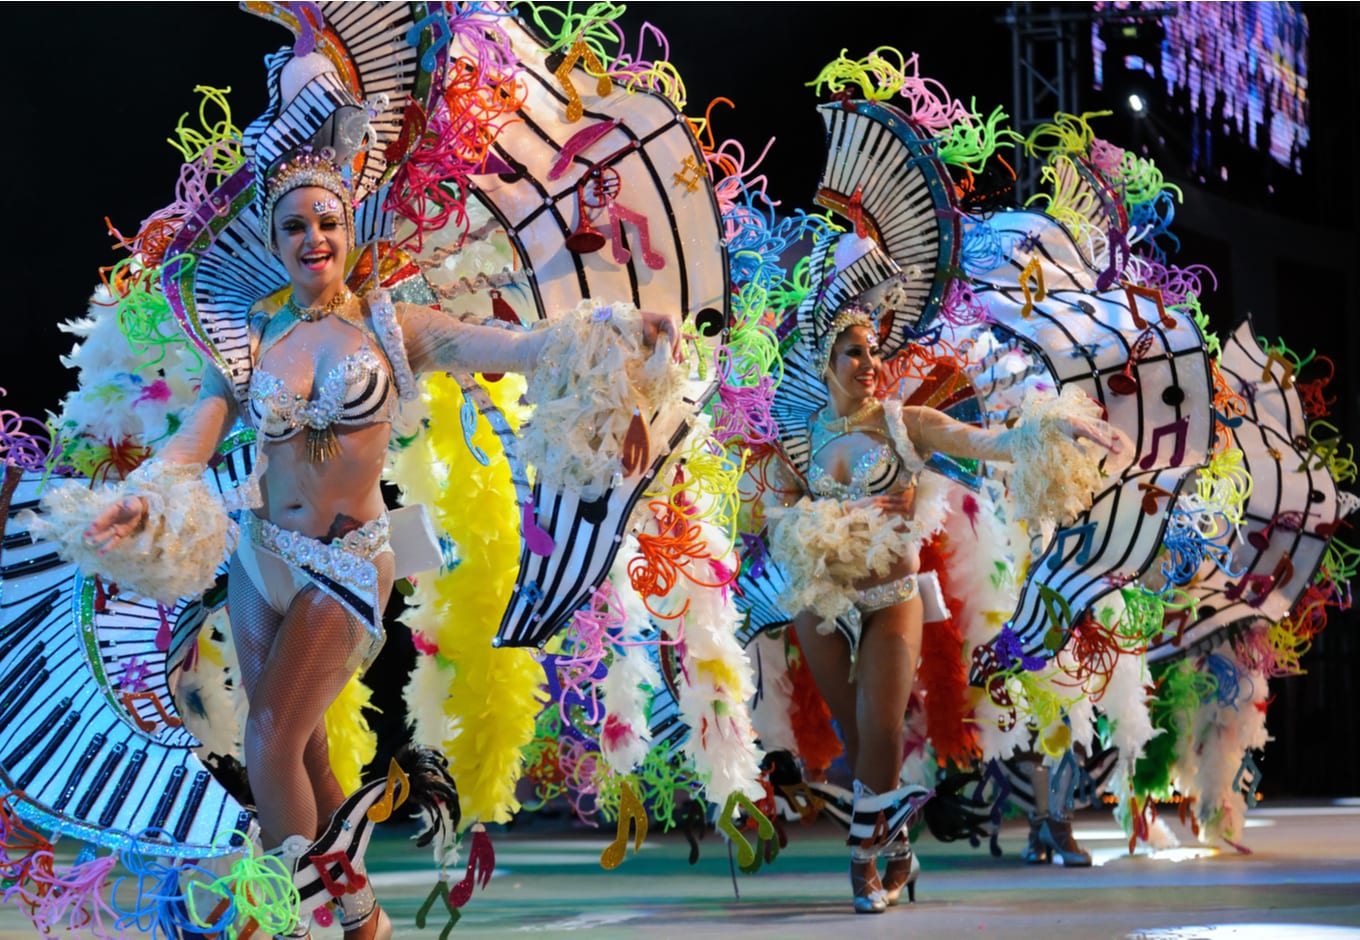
pixel 849 546
pixel 314 565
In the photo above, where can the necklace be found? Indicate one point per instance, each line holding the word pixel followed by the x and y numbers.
pixel 319 311
pixel 832 423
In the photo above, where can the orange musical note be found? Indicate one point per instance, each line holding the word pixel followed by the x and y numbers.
pixel 381 811
pixel 1268 374
pixel 1133 291
pixel 1151 493
pixel 353 881
pixel 1284 570
pixel 603 85
pixel 1032 271
pixel 855 212
pixel 802 800
pixel 636 449
pixel 1179 429
pixel 129 702
pixel 631 815
pixel 619 214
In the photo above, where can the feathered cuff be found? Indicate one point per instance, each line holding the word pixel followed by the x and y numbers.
pixel 175 554
pixel 825 546
pixel 592 376
pixel 1054 477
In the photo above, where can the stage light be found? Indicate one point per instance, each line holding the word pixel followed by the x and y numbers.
pixel 1137 104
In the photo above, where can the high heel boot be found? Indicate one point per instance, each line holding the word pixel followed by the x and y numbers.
pixel 1050 828
pixel 879 820
pixel 865 884
pixel 902 871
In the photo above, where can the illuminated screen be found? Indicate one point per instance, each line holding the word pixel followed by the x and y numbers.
pixel 1239 69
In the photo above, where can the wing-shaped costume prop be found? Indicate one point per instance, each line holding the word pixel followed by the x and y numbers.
pixel 1290 515
pixel 602 197
pixel 91 741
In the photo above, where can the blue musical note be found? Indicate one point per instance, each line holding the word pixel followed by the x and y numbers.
pixel 440 34
pixel 1087 532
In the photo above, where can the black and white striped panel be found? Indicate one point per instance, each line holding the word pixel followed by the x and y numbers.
pixel 586 536
pixel 905 194
pixel 647 148
pixel 1086 339
pixel 66 739
pixel 1292 504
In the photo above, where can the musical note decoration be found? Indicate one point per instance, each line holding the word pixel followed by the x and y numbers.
pixel 632 817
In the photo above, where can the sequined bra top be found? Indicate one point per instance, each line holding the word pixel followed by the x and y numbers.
pixel 888 467
pixel 358 390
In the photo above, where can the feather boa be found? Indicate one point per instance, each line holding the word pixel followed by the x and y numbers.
pixel 1052 477
pixel 187 533
pixel 485 711
pixel 943 674
pixel 632 679
pixel 774 693
pixel 716 680
pixel 825 546
pixel 591 377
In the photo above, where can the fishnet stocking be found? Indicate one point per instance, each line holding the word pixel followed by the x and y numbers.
pixel 292 668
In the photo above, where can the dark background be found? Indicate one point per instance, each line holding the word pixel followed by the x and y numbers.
pixel 95 90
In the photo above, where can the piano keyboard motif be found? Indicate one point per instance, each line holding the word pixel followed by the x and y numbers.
pixel 647 142
pixel 1289 517
pixel 882 176
pixel 1164 411
pixel 88 729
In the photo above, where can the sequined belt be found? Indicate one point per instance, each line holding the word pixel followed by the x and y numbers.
pixel 885 595
pixel 347 559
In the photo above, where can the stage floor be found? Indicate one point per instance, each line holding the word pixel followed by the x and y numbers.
pixel 1302 879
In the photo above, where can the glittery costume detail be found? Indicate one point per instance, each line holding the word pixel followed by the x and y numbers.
pixel 176 553
pixel 342 569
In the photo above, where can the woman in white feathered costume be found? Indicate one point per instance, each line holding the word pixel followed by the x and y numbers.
pixel 314 564
pixel 849 547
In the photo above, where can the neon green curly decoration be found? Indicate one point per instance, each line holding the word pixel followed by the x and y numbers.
pixel 971 144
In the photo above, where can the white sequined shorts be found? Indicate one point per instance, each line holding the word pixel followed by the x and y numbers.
pixel 281 564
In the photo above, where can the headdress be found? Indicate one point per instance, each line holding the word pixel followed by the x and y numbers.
pixel 305 167
pixel 851 314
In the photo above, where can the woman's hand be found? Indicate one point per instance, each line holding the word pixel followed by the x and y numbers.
pixel 121 520
pixel 897 504
pixel 1098 432
pixel 654 325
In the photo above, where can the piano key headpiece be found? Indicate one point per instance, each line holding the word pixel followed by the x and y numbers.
pixel 305 167
pixel 853 291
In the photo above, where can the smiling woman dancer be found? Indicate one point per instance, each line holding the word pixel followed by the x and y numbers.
pixel 314 565
pixel 849 547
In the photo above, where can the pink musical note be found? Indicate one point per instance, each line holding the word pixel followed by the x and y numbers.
pixel 163 632
pixel 1085 532
pixel 618 214
pixel 1261 584
pixel 536 538
pixel 480 864
pixel 578 142
pixel 1180 429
